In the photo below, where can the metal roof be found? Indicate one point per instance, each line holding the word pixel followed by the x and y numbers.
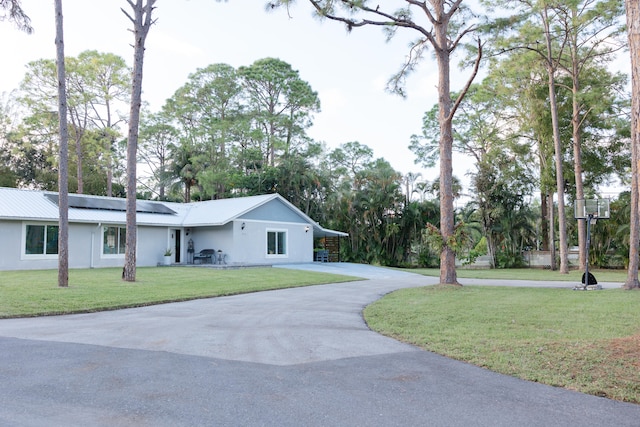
pixel 37 205
pixel 320 232
pixel 22 204
pixel 219 212
pixel 110 204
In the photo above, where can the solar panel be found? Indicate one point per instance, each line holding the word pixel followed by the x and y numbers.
pixel 112 204
pixel 153 207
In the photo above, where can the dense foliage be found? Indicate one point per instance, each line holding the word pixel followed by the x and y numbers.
pixel 231 132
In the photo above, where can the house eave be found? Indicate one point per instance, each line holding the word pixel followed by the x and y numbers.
pixel 320 232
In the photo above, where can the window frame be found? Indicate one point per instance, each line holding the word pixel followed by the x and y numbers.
pixel 46 227
pixel 119 244
pixel 278 232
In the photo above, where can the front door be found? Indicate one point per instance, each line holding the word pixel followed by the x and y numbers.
pixel 177 248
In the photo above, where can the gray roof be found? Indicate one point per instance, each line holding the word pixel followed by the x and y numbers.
pixel 35 205
pixel 219 212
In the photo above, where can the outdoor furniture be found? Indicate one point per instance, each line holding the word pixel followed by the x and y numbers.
pixel 205 256
pixel 322 255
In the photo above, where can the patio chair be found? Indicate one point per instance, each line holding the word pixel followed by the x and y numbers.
pixel 205 256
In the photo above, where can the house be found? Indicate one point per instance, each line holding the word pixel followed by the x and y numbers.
pixel 252 230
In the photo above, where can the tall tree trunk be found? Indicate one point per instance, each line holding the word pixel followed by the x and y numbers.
pixel 141 23
pixel 78 133
pixel 491 246
pixel 79 161
pixel 448 273
pixel 272 145
pixel 577 165
pixel 545 199
pixel 187 191
pixel 63 176
pixel 544 222
pixel 576 124
pixel 109 178
pixel 557 143
pixel 162 178
pixel 633 29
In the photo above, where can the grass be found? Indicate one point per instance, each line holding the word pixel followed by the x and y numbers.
pixel 537 274
pixel 584 341
pixel 35 293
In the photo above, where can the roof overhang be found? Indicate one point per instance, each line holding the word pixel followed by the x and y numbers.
pixel 320 232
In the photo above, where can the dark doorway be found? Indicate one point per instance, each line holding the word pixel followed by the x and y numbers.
pixel 177 251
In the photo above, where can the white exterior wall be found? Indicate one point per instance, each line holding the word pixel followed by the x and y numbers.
pixel 152 243
pixel 211 238
pixel 250 243
pixel 13 257
pixel 11 250
pixel 85 243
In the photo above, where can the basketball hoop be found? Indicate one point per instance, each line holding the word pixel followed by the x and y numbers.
pixel 590 210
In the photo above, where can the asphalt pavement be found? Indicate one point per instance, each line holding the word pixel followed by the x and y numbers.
pixel 293 357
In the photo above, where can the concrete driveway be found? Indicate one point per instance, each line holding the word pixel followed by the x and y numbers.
pixel 295 357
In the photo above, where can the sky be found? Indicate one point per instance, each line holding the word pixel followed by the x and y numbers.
pixel 348 70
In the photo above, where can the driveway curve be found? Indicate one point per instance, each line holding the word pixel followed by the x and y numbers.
pixel 300 356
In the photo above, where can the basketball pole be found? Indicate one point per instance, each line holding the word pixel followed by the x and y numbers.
pixel 586 261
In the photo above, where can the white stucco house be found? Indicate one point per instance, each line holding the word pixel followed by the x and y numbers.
pixel 252 230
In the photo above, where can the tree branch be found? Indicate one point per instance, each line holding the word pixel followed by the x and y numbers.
pixel 466 31
pixel 476 67
pixel 454 7
pixel 423 5
pixel 16 14
pixel 395 83
pixel 391 19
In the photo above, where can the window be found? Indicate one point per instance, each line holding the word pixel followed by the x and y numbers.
pixel 114 240
pixel 41 240
pixel 276 242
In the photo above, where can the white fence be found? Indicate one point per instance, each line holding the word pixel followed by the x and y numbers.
pixel 534 259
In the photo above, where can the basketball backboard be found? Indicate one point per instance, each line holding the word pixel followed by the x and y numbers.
pixel 592 208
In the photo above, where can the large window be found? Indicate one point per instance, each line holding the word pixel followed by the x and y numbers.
pixel 41 240
pixel 114 240
pixel 276 242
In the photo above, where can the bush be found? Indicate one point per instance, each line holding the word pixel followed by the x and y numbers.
pixel 507 259
pixel 479 250
pixel 428 259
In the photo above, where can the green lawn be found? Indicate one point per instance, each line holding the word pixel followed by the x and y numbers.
pixel 35 293
pixel 529 274
pixel 582 340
